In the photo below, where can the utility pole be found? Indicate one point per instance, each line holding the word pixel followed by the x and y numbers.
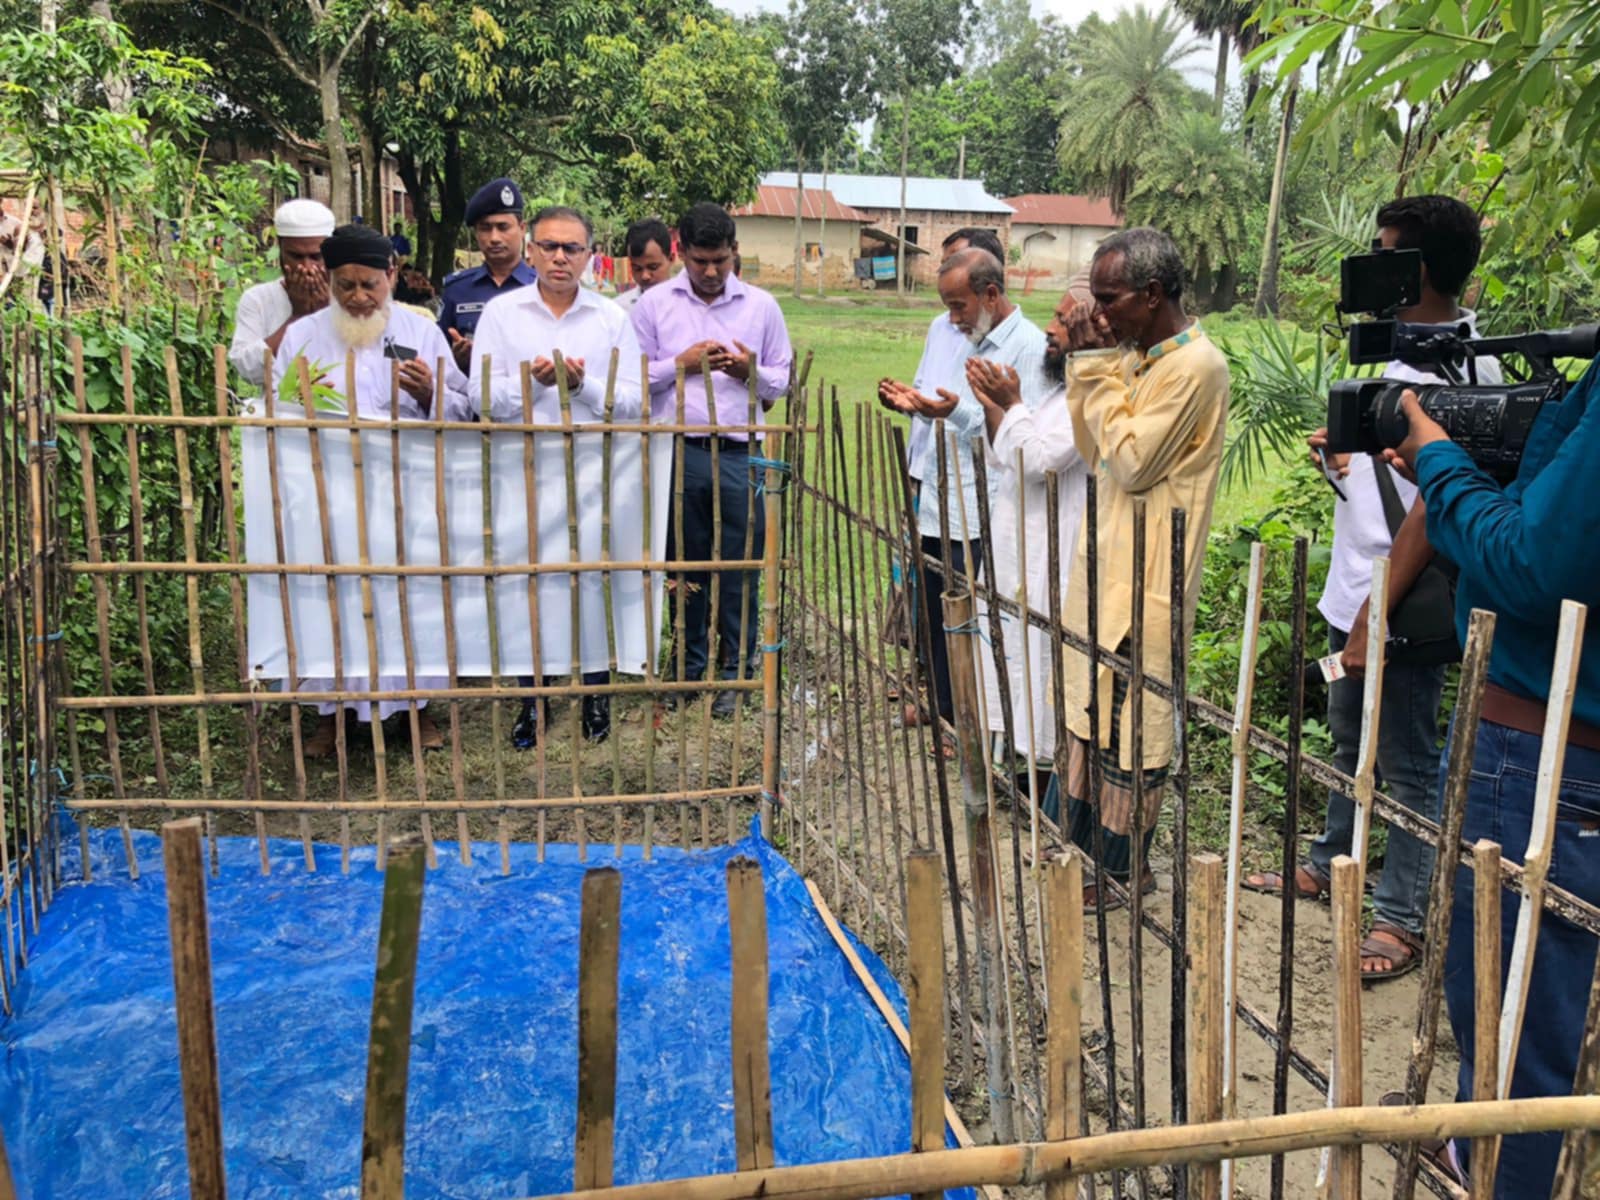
pixel 961 159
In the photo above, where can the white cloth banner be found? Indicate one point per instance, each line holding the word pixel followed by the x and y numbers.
pixel 635 614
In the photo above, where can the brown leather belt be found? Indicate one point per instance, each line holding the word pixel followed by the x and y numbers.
pixel 1527 716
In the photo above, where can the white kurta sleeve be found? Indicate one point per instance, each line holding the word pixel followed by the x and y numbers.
pixel 247 352
pixel 1046 445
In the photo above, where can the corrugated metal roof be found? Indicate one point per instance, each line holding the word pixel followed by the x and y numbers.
pixel 1039 208
pixel 772 201
pixel 883 192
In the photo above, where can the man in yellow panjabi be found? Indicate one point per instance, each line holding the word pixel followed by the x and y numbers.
pixel 1148 394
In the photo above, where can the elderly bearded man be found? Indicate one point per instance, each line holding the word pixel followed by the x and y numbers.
pixel 531 325
pixel 265 311
pixel 363 320
pixel 1148 394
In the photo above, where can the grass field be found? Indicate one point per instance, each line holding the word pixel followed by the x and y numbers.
pixel 858 338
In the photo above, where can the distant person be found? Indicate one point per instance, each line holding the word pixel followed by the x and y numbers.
pixel 706 312
pixel 265 310
pixel 648 245
pixel 1148 394
pixel 400 243
pixel 494 214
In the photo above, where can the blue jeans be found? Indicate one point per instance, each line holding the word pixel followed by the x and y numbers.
pixel 1408 762
pixel 1500 808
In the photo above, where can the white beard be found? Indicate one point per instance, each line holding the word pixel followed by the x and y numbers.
pixel 357 333
pixel 981 328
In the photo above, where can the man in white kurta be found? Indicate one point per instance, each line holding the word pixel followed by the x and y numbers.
pixel 362 321
pixel 1023 444
pixel 533 325
pixel 266 310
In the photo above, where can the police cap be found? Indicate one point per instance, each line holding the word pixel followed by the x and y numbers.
pixel 495 197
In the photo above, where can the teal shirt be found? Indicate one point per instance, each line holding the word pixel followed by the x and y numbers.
pixel 1525 549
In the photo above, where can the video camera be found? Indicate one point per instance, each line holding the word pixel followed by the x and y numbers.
pixel 1489 421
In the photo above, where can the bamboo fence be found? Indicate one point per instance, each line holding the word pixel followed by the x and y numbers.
pixel 860 799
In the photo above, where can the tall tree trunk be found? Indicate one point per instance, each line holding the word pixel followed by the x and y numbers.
pixel 1252 85
pixel 905 158
pixel 340 193
pixel 822 231
pixel 119 91
pixel 452 207
pixel 1267 292
pixel 418 190
pixel 1222 73
pixel 1226 294
pixel 799 228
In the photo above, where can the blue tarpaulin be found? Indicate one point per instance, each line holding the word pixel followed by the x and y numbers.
pixel 90 1102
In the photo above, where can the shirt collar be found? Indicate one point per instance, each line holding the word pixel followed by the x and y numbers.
pixel 1001 333
pixel 532 297
pixel 1162 349
pixel 734 290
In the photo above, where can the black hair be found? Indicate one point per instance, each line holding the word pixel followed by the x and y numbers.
pixel 1444 229
pixel 1146 254
pixel 706 226
pixel 641 233
pixel 982 239
pixel 560 212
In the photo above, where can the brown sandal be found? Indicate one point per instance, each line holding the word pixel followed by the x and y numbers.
pixel 1401 949
pixel 1270 883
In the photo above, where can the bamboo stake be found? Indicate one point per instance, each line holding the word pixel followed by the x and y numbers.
pixel 714 647
pixel 1208 1004
pixel 1031 1163
pixel 492 615
pixel 383 1136
pixel 102 606
pixel 358 479
pixel 607 585
pixel 925 1002
pixel 1457 780
pixel 750 493
pixel 679 605
pixel 771 663
pixel 1486 960
pixel 1541 840
pixel 252 728
pixel 8 1188
pixel 575 609
pixel 1064 980
pixel 598 947
pixel 652 622
pixel 458 779
pixel 297 742
pixel 197 1028
pixel 1136 868
pixel 1575 1147
pixel 837 668
pixel 1178 783
pixel 419 769
pixel 752 1083
pixel 530 492
pixel 1345 1169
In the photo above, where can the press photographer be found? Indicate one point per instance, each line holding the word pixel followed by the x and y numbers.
pixel 1522 548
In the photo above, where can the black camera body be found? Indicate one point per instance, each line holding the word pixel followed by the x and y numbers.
pixel 1490 422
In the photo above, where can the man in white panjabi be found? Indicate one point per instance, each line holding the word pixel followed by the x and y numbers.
pixel 1022 445
pixel 531 326
pixel 266 311
pixel 363 321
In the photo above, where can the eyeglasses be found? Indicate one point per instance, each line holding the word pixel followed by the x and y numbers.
pixel 570 249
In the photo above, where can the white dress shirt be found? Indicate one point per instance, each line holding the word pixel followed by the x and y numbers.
pixel 261 312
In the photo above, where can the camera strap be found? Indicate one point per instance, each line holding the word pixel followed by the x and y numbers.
pixel 1422 625
pixel 1394 512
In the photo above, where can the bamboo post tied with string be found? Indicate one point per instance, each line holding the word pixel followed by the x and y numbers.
pixel 752 1081
pixel 599 942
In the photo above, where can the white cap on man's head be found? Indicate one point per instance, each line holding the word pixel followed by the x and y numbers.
pixel 303 218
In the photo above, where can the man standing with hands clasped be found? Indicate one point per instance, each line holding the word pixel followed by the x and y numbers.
pixel 706 314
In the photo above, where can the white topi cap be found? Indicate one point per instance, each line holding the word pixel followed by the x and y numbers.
pixel 303 218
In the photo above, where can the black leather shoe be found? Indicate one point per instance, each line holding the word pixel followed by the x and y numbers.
pixel 596 718
pixel 525 733
pixel 725 705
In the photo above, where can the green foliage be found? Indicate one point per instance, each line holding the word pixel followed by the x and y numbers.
pixel 1197 183
pixel 824 53
pixel 1280 393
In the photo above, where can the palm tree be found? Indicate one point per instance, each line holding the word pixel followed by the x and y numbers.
pixel 1196 184
pixel 1230 21
pixel 1127 88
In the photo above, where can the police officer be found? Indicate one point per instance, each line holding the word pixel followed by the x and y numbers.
pixel 495 216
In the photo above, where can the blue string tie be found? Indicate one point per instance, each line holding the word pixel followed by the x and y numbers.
pixel 774 647
pixel 771 464
pixel 49 637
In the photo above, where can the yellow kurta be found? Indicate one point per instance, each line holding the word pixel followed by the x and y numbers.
pixel 1151 426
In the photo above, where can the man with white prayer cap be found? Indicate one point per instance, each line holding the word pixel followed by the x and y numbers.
pixel 265 310
pixel 362 320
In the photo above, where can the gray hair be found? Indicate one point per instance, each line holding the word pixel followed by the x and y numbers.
pixel 982 269
pixel 1146 254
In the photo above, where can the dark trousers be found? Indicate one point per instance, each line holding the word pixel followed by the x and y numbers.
pixel 933 586
pixel 589 677
pixel 1505 764
pixel 738 592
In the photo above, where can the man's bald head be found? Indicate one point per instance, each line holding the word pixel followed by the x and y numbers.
pixel 972 285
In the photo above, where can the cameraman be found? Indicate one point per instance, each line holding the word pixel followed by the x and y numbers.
pixel 1523 550
pixel 1366 526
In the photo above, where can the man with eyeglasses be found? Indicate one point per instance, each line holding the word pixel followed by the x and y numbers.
pixel 494 214
pixel 532 325
pixel 706 318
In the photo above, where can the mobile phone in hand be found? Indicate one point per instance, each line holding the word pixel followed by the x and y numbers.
pixel 1329 473
pixel 397 351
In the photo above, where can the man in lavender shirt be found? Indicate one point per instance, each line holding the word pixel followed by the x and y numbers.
pixel 707 312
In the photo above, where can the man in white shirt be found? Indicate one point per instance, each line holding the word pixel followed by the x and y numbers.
pixel 362 320
pixel 531 325
pixel 1446 231
pixel 266 309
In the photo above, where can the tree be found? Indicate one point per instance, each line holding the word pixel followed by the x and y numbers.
pixel 917 52
pixel 1197 184
pixel 1228 20
pixel 824 57
pixel 1127 91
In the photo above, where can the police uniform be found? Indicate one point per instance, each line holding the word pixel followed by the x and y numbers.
pixel 466 292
